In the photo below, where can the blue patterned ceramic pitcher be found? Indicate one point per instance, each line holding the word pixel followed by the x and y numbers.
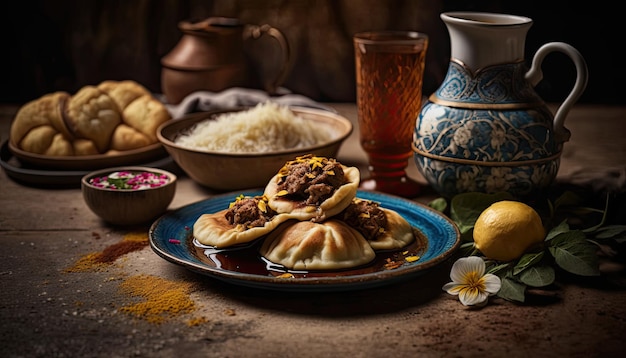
pixel 485 129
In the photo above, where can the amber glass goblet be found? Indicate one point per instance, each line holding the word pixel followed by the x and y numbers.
pixel 389 77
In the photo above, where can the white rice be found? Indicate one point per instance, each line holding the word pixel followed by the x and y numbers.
pixel 267 127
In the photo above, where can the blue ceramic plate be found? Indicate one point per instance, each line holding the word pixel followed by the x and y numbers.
pixel 437 239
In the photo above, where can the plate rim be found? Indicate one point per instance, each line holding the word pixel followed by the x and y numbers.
pixel 95 161
pixel 326 283
pixel 57 177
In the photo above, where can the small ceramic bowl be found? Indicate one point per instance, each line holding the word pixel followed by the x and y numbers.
pixel 130 195
pixel 225 171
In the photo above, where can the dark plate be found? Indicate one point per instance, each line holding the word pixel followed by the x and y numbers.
pixel 44 177
pixel 90 162
pixel 171 238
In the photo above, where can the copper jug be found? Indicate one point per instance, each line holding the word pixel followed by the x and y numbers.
pixel 210 56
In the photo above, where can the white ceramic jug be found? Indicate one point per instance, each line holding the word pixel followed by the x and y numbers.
pixel 485 129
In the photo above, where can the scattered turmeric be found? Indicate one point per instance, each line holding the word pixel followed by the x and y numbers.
pixel 87 263
pixel 163 299
pixel 197 321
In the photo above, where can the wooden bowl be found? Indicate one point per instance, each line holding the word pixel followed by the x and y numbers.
pixel 226 171
pixel 128 206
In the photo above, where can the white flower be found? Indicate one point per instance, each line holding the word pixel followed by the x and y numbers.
pixel 470 282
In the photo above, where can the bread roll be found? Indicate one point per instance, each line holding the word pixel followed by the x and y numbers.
pixel 111 118
pixel 146 114
pixel 307 245
pixel 57 116
pixel 123 92
pixel 84 147
pixel 38 139
pixel 60 146
pixel 44 111
pixel 92 114
pixel 127 138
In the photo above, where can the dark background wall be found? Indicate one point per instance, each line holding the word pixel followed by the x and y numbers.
pixel 66 44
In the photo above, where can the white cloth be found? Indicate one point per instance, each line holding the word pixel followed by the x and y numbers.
pixel 203 101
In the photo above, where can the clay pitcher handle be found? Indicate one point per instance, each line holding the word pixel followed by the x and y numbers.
pixel 255 32
pixel 534 75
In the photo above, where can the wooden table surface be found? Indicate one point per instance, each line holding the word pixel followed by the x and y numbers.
pixel 47 310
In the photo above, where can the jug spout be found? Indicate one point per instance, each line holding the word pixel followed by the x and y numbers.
pixel 213 24
pixel 206 44
pixel 481 39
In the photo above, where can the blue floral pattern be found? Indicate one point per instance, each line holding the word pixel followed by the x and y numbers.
pixel 502 84
pixel 450 179
pixel 475 122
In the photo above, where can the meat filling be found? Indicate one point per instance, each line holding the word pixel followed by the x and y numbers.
pixel 311 179
pixel 249 212
pixel 366 217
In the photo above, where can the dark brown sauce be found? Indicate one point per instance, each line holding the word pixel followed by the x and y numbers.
pixel 246 259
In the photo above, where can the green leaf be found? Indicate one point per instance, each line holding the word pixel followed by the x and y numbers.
pixel 573 253
pixel 497 269
pixel 582 210
pixel 119 183
pixel 603 220
pixel 439 204
pixel 526 261
pixel 563 227
pixel 465 208
pixel 538 276
pixel 512 290
pixel 568 198
pixel 467 249
pixel 611 231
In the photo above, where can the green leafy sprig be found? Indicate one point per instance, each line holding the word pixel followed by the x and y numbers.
pixel 573 250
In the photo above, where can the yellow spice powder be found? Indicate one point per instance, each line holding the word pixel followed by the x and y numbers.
pixel 196 321
pixel 87 263
pixel 163 299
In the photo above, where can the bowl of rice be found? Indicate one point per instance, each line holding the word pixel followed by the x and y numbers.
pixel 242 148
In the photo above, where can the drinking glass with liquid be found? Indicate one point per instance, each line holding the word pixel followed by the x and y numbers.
pixel 389 77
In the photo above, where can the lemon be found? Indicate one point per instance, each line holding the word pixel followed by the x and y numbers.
pixel 507 229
